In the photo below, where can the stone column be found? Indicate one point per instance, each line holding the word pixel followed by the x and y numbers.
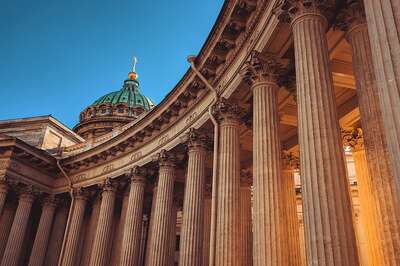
pixel 289 216
pixel 74 229
pixel 368 203
pixel 227 235
pixel 151 223
pixel 383 18
pixel 16 237
pixel 207 225
pixel 143 239
pixel 39 248
pixel 133 221
pixel 6 222
pixel 56 236
pixel 172 236
pixel 262 72
pixel 3 194
pixel 159 244
pixel 245 218
pixel 383 187
pixel 328 218
pixel 100 254
pixel 191 245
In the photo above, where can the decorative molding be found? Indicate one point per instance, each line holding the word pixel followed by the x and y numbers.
pixel 353 138
pixel 262 68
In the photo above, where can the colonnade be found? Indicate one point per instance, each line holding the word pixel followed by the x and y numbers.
pixel 256 213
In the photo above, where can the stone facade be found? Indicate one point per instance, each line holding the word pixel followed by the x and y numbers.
pixel 278 147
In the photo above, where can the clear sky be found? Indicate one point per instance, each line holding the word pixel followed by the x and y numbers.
pixel 59 56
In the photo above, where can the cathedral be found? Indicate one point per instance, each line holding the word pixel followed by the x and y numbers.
pixel 279 146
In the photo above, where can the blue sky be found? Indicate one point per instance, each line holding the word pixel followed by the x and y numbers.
pixel 59 56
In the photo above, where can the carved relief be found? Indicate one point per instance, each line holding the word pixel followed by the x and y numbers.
pixel 107 168
pixel 136 156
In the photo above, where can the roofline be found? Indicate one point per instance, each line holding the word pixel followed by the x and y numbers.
pixel 54 121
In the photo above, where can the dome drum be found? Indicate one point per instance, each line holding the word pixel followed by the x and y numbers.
pixel 113 109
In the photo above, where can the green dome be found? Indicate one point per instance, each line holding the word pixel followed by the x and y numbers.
pixel 129 94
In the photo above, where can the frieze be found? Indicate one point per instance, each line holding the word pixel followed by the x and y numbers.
pixel 107 168
pixel 136 156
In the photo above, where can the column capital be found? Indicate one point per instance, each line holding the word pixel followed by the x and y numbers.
pixel 80 193
pixel 353 138
pixel 226 111
pixel 27 193
pixel 351 16
pixel 290 11
pixel 108 185
pixel 290 161
pixel 166 158
pixel 50 200
pixel 196 139
pixel 263 68
pixel 137 174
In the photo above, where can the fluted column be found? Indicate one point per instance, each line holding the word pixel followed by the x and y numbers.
pixel 159 244
pixel 245 219
pixel 352 20
pixel 99 255
pixel 383 18
pixel 43 232
pixel 143 239
pixel 74 229
pixel 56 236
pixel 191 247
pixel 227 237
pixel 289 208
pixel 262 72
pixel 6 222
pixel 368 204
pixel 16 237
pixel 133 221
pixel 151 223
pixel 172 236
pixel 330 236
pixel 207 225
pixel 3 194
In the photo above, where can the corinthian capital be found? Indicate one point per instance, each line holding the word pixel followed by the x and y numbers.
pixel 137 174
pixel 225 110
pixel 351 16
pixel 353 138
pixel 289 10
pixel 263 68
pixel 195 139
pixel 290 161
pixel 166 158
